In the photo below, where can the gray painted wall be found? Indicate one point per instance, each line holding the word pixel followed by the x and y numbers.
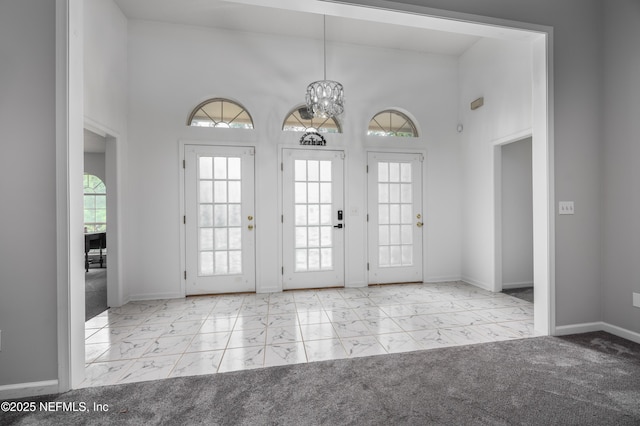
pixel 28 291
pixel 621 148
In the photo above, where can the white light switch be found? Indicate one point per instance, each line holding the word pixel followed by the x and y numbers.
pixel 565 207
pixel 636 300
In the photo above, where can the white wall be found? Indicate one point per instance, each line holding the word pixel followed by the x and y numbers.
pixel 174 68
pixel 94 164
pixel 500 72
pixel 621 198
pixel 517 215
pixel 105 62
pixel 28 313
pixel 105 113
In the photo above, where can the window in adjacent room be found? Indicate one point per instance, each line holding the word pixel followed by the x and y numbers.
pixel 392 123
pixel 220 113
pixel 95 204
pixel 300 120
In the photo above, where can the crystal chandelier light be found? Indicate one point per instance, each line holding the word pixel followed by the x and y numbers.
pixel 325 98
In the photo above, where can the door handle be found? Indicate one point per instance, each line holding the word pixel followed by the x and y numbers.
pixel 250 227
pixel 339 226
pixel 419 224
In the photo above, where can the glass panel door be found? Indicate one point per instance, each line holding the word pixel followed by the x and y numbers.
pixel 313 225
pixel 219 219
pixel 395 217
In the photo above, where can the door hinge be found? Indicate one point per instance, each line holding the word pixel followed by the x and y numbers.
pixel 367 266
pixel 283 270
pixel 281 218
pixel 367 217
pixel 367 168
pixel 281 167
pixel 184 164
pixel 185 275
pixel 184 219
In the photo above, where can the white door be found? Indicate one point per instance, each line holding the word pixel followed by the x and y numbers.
pixel 395 217
pixel 313 219
pixel 220 236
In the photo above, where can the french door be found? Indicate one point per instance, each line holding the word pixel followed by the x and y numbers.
pixel 220 236
pixel 395 218
pixel 313 218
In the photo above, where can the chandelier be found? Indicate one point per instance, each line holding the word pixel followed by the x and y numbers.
pixel 325 98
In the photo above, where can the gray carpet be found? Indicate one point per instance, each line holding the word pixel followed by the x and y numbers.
pixel 525 293
pixel 588 379
pixel 95 291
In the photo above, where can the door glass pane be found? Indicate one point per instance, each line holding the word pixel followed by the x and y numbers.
pixel 395 214
pixel 220 215
pixel 313 215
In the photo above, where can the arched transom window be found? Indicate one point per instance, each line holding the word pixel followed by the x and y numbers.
pixel 392 123
pixel 95 204
pixel 300 120
pixel 221 113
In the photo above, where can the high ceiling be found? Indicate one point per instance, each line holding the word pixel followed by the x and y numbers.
pixel 279 21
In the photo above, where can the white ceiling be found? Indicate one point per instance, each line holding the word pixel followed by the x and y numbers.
pixel 279 21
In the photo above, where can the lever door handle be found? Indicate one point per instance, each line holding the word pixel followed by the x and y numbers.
pixel 339 226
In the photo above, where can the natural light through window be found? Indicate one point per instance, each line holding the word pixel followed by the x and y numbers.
pixel 300 120
pixel 392 123
pixel 95 204
pixel 220 113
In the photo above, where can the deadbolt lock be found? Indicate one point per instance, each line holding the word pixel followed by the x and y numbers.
pixel 250 217
pixel 418 216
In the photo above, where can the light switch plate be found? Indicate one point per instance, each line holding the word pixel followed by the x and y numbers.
pixel 636 300
pixel 565 207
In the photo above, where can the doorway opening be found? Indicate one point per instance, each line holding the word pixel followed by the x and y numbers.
pixel 514 219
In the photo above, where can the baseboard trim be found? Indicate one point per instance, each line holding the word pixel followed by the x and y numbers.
pixel 443 279
pixel 155 296
pixel 509 286
pixel 621 332
pixel 565 330
pixel 587 327
pixel 25 390
pixel 477 283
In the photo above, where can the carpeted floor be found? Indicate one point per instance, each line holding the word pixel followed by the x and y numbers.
pixel 588 379
pixel 525 293
pixel 95 291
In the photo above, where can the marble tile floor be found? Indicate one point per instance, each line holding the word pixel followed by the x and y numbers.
pixel 151 340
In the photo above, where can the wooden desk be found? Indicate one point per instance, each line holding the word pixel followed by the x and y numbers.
pixel 94 240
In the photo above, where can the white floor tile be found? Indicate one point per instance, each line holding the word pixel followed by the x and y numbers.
pixel 242 359
pixel 146 369
pixel 198 363
pixel 398 342
pixel 323 350
pixel 284 353
pixel 209 342
pixel 362 346
pixel 245 338
pixel 170 345
pixel 203 335
pixel 288 334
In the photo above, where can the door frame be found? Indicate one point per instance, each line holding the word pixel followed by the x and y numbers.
pixel 424 206
pixel 499 203
pixel 183 206
pixel 280 200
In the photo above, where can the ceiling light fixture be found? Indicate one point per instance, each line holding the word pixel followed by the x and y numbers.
pixel 325 98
